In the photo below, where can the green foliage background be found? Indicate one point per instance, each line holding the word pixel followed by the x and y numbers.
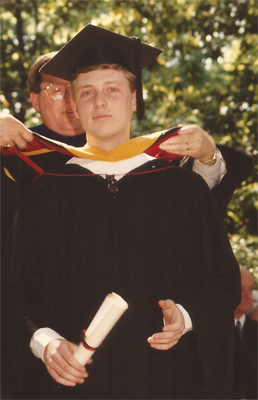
pixel 206 75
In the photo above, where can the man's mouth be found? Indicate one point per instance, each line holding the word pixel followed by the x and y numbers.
pixel 101 116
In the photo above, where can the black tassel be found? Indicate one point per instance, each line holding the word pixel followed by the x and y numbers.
pixel 138 73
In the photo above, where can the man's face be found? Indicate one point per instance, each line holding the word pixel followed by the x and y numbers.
pixel 247 292
pixel 104 103
pixel 56 114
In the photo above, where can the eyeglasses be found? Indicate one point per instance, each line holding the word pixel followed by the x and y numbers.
pixel 56 92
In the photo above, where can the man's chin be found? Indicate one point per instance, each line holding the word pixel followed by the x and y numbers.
pixel 246 309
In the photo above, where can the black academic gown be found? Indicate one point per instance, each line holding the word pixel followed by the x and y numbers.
pixel 157 235
pixel 11 191
pixel 239 167
pixel 245 362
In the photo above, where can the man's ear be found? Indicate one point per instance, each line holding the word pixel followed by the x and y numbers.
pixel 34 98
pixel 74 108
pixel 134 102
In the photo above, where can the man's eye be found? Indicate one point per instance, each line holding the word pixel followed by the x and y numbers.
pixel 113 90
pixel 58 89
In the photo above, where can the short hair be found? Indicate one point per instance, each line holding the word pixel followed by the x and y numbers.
pixel 130 77
pixel 35 78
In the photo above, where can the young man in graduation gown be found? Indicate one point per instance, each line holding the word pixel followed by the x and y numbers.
pixel 50 96
pixel 121 220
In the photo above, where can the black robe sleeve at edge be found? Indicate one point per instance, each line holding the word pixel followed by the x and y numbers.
pixel 239 166
pixel 212 317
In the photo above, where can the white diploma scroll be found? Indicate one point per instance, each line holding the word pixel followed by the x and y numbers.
pixel 106 317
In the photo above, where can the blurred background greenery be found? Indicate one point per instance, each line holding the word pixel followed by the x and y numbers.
pixel 207 73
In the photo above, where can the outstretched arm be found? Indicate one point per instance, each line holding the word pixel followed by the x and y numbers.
pixel 13 132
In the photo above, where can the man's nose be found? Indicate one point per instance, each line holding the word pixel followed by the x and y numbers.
pixel 99 99
pixel 68 94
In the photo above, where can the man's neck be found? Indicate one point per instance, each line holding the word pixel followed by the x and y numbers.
pixel 107 144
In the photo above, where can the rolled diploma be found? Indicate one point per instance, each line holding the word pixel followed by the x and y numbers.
pixel 106 317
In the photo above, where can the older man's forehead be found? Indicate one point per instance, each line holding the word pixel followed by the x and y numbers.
pixel 53 79
pixel 246 279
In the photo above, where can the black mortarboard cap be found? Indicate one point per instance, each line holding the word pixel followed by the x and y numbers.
pixel 93 46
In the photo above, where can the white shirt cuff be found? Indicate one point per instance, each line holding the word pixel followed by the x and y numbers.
pixel 211 174
pixel 187 318
pixel 41 338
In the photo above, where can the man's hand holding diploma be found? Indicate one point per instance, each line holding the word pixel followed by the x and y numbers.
pixel 62 365
pixel 173 329
pixel 65 361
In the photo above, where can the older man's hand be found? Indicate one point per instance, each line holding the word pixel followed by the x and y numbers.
pixel 191 141
pixel 13 132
